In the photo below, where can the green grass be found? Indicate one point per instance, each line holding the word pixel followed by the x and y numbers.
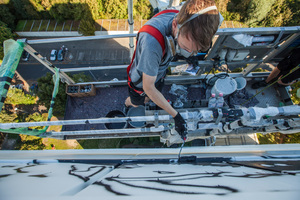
pixel 236 70
pixel 59 144
pixel 51 25
pixel 75 25
pixel 278 138
pixel 98 24
pixel 100 144
pixel 20 25
pixel 89 144
pixel 28 25
pixel 59 26
pixel 260 70
pixel 67 25
pixel 44 25
pixel 36 25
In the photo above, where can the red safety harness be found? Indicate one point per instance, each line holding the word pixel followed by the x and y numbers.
pixel 159 37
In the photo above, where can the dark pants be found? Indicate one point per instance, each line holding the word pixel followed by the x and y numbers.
pixel 138 99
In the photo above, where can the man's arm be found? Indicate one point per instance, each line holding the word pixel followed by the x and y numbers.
pixel 285 84
pixel 155 95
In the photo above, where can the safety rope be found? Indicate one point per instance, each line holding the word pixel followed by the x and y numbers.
pixel 294 69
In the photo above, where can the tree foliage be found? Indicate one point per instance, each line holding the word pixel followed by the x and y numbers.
pixel 278 138
pixel 7 17
pixel 257 13
pixel 5 34
pixel 77 9
pixel 17 96
pixel 6 117
pixel 294 97
pixel 283 13
pixel 25 9
pixel 36 117
pixel 28 142
pixel 46 86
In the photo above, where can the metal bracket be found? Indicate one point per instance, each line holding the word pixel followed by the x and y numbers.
pixel 220 115
pixel 130 23
pixel 156 119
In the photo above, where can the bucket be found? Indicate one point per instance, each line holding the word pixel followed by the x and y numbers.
pixel 226 86
pixel 115 114
pixel 241 83
pixel 134 112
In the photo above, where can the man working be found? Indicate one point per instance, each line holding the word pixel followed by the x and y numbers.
pixel 162 37
pixel 282 69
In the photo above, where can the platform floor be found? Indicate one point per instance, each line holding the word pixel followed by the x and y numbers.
pixel 113 98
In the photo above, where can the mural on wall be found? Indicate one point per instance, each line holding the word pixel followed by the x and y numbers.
pixel 218 179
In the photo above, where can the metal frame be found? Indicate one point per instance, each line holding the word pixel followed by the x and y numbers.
pixel 273 50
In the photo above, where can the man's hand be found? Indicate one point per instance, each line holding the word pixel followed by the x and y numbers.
pixel 180 126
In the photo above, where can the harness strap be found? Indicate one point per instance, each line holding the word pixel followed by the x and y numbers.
pixel 154 32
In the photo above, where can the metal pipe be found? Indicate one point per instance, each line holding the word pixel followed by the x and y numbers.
pixel 85 121
pixel 125 66
pixel 111 131
pixel 263 30
pixel 107 136
pixel 226 31
pixel 82 38
pixel 271 55
pixel 175 79
pixel 164 118
pixel 131 26
pixel 94 68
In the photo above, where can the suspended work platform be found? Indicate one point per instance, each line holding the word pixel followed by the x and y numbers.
pixel 245 110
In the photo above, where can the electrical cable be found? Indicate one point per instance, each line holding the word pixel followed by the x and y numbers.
pixel 219 76
pixel 181 148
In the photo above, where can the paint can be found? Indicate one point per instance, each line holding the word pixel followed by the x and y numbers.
pixel 134 112
pixel 241 83
pixel 115 114
pixel 224 85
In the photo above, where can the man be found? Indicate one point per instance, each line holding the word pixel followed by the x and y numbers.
pixel 291 61
pixel 185 33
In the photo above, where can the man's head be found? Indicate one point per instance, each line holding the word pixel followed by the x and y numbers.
pixel 196 31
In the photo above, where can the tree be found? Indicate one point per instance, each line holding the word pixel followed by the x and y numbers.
pixel 5 34
pixel 115 9
pixel 17 96
pixel 7 17
pixel 142 9
pixel 30 143
pixel 87 27
pixel 283 13
pixel 6 117
pixel 258 10
pixel 294 96
pixel 87 23
pixel 46 86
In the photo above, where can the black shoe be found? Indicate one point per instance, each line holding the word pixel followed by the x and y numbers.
pixel 126 109
pixel 259 84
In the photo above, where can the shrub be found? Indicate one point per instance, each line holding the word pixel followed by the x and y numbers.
pixel 17 96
